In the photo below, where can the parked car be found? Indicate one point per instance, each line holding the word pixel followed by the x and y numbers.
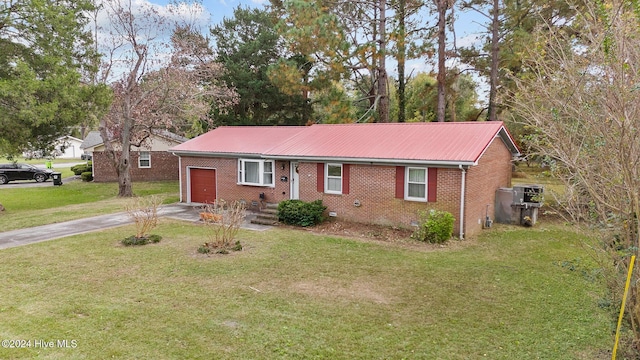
pixel 14 171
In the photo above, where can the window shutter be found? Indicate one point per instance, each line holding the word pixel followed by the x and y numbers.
pixel 345 179
pixel 320 181
pixel 432 186
pixel 399 182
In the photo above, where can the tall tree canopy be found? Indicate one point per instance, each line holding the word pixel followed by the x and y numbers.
pixel 247 45
pixel 45 54
pixel 509 29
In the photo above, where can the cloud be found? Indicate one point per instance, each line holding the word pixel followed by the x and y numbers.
pixel 473 40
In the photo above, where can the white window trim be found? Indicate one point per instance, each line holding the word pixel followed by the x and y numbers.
pixel 406 184
pixel 261 172
pixel 327 177
pixel 140 159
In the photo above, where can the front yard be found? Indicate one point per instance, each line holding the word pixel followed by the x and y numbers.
pixel 512 293
pixel 294 294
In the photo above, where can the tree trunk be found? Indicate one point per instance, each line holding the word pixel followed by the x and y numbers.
pixel 125 187
pixel 401 60
pixel 495 49
pixel 442 12
pixel 383 78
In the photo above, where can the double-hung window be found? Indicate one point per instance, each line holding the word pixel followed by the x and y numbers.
pixel 144 159
pixel 333 181
pixel 255 172
pixel 416 184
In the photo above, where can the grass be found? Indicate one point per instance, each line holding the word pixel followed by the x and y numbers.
pixel 295 295
pixel 35 206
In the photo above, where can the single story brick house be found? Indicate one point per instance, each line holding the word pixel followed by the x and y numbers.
pixel 151 162
pixel 370 173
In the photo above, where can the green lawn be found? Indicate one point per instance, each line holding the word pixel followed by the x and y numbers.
pixel 296 295
pixel 34 206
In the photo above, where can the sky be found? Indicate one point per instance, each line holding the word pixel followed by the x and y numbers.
pixel 468 24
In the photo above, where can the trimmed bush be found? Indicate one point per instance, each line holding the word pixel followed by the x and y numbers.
pixel 435 226
pixel 86 176
pixel 300 213
pixel 82 168
pixel 79 169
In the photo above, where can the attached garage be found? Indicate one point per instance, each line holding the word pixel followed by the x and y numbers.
pixel 203 185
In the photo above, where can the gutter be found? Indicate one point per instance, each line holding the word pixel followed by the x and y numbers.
pixel 370 161
pixel 373 161
pixel 462 198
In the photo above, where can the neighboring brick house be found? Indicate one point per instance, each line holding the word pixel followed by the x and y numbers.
pixel 370 173
pixel 151 162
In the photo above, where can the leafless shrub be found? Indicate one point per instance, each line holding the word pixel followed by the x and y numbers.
pixel 580 99
pixel 144 212
pixel 223 221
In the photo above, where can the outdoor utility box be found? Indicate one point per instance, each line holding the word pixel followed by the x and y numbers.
pixel 518 205
pixel 57 178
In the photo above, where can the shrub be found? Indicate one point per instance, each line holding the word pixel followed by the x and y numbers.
pixel 300 213
pixel 223 222
pixel 82 168
pixel 208 248
pixel 435 226
pixel 136 241
pixel 86 176
pixel 144 212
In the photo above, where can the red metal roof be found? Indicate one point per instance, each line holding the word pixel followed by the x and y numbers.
pixel 239 139
pixel 458 142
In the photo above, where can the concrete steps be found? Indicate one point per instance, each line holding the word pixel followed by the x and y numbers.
pixel 267 215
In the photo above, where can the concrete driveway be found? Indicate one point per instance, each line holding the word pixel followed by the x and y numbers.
pixel 37 234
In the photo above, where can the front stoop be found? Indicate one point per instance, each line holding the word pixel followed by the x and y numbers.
pixel 267 215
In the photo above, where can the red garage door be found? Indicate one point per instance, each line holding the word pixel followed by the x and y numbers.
pixel 203 185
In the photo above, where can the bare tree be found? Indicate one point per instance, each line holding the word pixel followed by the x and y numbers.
pixel 164 75
pixel 581 98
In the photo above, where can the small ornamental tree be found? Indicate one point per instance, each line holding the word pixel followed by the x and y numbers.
pixel 223 221
pixel 144 212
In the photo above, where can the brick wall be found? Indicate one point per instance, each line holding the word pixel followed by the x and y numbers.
pixel 373 187
pixel 164 166
pixel 492 172
pixel 227 181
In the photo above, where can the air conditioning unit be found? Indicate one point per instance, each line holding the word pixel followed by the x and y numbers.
pixel 528 194
pixel 518 205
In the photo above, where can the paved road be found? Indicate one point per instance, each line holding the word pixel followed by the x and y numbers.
pixel 32 183
pixel 36 234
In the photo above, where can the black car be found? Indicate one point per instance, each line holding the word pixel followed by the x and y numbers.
pixel 11 172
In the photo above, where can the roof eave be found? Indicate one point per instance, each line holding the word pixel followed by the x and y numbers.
pixel 213 154
pixel 374 161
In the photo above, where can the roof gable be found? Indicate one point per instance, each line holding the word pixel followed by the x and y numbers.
pixel 446 143
pixel 94 140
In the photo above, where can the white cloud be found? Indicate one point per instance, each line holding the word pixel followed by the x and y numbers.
pixel 472 40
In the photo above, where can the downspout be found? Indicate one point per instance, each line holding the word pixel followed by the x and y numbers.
pixel 462 191
pixel 179 174
pixel 180 177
